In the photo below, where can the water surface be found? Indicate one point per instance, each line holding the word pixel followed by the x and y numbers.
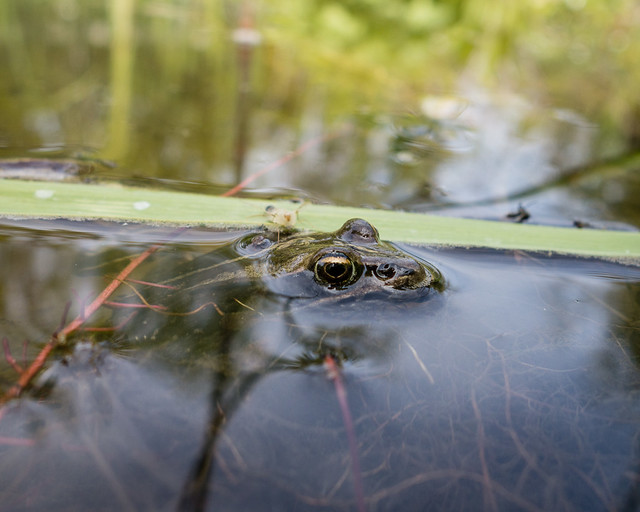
pixel 515 387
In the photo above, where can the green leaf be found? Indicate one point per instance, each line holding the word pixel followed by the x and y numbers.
pixel 34 199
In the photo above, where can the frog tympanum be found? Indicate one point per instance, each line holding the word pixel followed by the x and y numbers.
pixel 349 262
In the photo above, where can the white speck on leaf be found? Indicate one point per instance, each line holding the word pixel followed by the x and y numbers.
pixel 141 205
pixel 43 193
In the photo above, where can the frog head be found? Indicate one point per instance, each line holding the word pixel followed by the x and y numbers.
pixel 350 262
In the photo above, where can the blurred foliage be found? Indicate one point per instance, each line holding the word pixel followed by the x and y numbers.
pixel 155 84
pixel 573 53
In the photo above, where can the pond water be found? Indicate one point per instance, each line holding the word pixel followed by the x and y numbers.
pixel 496 381
pixel 512 383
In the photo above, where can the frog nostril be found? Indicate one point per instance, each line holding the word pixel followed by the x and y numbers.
pixel 385 271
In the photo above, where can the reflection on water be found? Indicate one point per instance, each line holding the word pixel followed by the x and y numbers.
pixel 514 388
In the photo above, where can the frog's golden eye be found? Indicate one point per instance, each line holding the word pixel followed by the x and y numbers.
pixel 335 268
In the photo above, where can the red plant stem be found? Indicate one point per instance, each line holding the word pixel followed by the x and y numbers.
pixel 60 335
pixel 9 358
pixel 274 165
pixel 341 393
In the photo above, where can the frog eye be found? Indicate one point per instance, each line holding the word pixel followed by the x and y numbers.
pixel 335 268
pixel 358 231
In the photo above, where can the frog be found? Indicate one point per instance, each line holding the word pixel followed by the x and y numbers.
pixel 350 262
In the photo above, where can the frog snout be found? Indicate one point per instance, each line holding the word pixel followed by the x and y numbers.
pixel 402 275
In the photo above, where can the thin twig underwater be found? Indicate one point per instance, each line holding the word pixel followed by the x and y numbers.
pixel 60 335
pixel 334 373
pixel 283 160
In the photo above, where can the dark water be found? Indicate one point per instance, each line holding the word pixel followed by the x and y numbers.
pixel 515 388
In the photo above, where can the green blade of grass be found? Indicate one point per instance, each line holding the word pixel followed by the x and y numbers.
pixel 114 202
